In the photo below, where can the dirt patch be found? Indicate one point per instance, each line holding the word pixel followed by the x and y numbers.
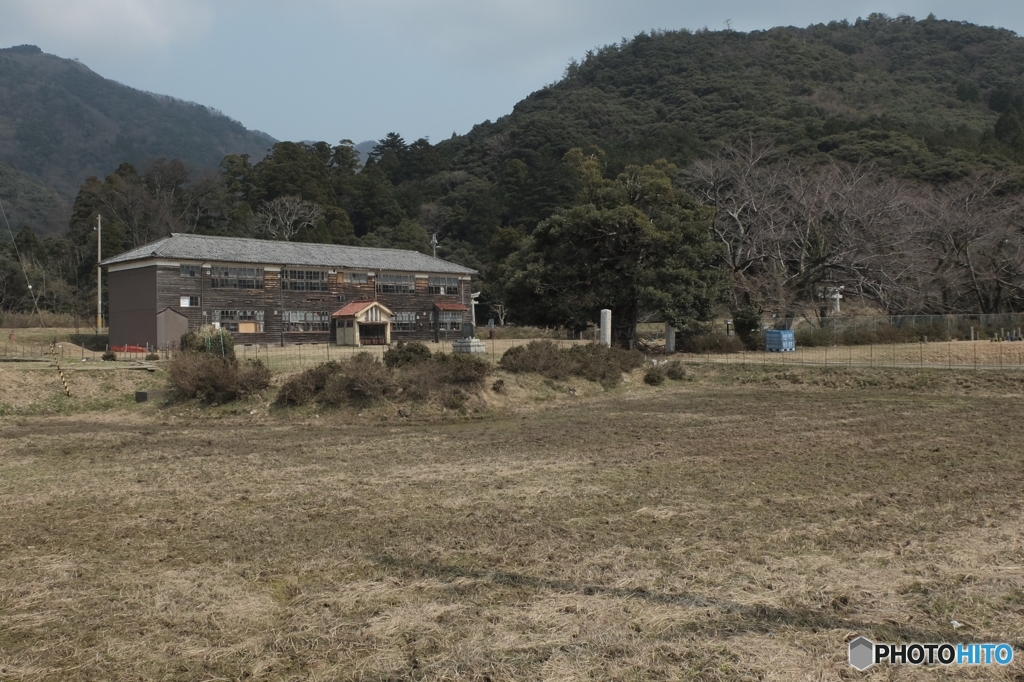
pixel 25 389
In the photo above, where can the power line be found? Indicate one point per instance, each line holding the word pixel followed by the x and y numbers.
pixel 17 253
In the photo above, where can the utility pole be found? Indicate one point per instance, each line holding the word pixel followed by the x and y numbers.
pixel 99 273
pixel 433 242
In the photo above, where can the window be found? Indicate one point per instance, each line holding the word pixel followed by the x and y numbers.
pixel 189 271
pixel 403 322
pixel 396 284
pixel 189 302
pixel 303 321
pixel 444 286
pixel 236 278
pixel 241 321
pixel 448 321
pixel 356 277
pixel 304 280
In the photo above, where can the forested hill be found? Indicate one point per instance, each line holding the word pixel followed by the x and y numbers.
pixel 60 123
pixel 883 158
pixel 924 97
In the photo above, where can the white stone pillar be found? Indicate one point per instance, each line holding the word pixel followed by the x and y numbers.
pixel 606 327
pixel 670 338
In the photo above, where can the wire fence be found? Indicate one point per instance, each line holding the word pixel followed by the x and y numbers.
pixel 861 330
pixel 948 354
pixel 972 355
pixel 287 358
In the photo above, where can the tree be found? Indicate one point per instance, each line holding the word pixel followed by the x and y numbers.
pixel 408 234
pixel 635 244
pixel 285 216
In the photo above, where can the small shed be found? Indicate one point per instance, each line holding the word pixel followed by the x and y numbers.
pixel 363 323
pixel 171 325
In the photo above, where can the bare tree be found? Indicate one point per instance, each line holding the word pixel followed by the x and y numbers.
pixel 792 230
pixel 285 216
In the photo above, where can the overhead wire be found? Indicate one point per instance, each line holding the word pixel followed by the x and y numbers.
pixel 24 271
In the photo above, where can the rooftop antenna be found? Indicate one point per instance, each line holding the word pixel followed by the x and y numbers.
pixel 433 242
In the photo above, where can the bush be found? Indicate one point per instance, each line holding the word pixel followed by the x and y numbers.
pixel 109 356
pixel 363 379
pixel 589 361
pixel 210 340
pixel 454 398
pixel 675 371
pixel 654 376
pixel 410 353
pixel 604 365
pixel 540 357
pixel 359 381
pixel 152 357
pixel 304 387
pixel 747 323
pixel 461 368
pixel 214 380
pixel 252 377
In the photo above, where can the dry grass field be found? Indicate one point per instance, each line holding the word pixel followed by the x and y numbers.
pixel 740 525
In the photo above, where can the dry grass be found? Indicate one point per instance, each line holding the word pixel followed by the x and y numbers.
pixel 947 354
pixel 740 524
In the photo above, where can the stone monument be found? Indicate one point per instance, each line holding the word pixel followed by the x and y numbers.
pixel 469 343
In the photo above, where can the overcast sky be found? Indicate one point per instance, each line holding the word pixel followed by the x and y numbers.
pixel 358 69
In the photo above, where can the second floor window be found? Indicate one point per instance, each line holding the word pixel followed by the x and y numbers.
pixel 304 280
pixel 396 284
pixel 444 286
pixel 236 278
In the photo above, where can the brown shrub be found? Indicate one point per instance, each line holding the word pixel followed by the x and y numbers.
pixel 460 368
pixel 540 357
pixel 302 388
pixel 655 375
pixel 252 377
pixel 589 361
pixel 411 353
pixel 675 371
pixel 210 340
pixel 360 381
pixel 214 380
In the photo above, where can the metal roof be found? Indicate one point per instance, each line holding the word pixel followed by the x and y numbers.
pixel 198 247
pixel 356 307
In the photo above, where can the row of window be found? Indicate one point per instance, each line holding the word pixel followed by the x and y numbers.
pixel 222 277
pixel 236 278
pixel 252 321
pixel 241 321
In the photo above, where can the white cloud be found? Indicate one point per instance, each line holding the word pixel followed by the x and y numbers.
pixel 111 26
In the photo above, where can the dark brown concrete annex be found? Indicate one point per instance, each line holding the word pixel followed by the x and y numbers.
pixel 278 292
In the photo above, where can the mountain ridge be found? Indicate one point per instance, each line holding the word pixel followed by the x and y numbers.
pixel 61 122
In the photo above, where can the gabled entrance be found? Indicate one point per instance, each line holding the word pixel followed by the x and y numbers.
pixel 363 323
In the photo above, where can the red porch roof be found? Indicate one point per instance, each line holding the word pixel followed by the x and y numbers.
pixel 451 306
pixel 352 309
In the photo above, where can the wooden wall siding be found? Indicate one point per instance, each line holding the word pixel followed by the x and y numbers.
pixel 171 286
pixel 132 307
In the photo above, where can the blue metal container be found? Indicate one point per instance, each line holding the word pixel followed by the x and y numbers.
pixel 779 340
